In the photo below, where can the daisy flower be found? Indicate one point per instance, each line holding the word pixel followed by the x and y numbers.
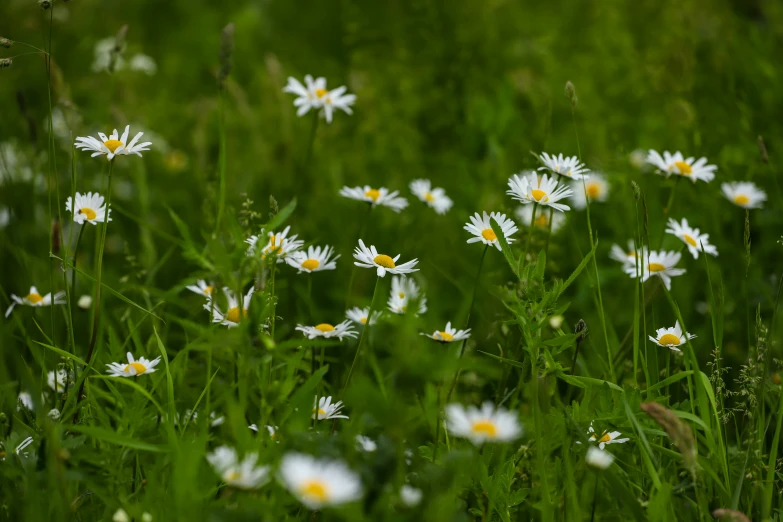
pixel 661 264
pixel 243 474
pixel 524 214
pixel 410 496
pixel 271 429
pixel 671 337
pixel 89 208
pixel 278 245
pixel 323 408
pixel 314 259
pixel 597 189
pixel 202 287
pixel 366 444
pixel 434 197
pixel 569 167
pixel 399 305
pixel 370 258
pixel 35 299
pixel 627 257
pixel 340 330
pixel 744 194
pixel 114 145
pixel 133 368
pixel 59 380
pixel 403 291
pixel 481 228
pixel 598 458
pixel 25 400
pixel 234 314
pixel 488 424
pixel 380 196
pixel 308 96
pixel 693 239
pixel 676 164
pixel 337 99
pixel 359 315
pixel 449 335
pixel 607 437
pixel 318 483
pixel 541 190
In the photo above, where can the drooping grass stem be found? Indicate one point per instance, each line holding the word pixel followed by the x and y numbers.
pixel 362 336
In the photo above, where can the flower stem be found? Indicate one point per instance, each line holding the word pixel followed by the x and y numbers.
pixel 549 231
pixel 530 232
pixel 272 295
pixel 362 230
pixel 75 252
pixel 311 143
pixel 221 163
pixel 362 336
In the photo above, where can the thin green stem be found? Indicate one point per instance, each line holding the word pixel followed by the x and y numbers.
pixel 273 269
pixel 362 336
pixel 362 230
pixel 311 143
pixel 530 232
pixel 75 253
pixel 221 162
pixel 549 231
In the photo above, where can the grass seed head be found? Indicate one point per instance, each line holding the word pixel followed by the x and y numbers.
pixel 6 62
pixel 5 42
pixel 570 93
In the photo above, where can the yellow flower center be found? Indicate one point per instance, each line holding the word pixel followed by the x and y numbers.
pixel 319 411
pixel 208 290
pixel 232 475
pixel 112 145
pixel 363 320
pixel 373 194
pixel 489 234
pixel 311 264
pixel 34 298
pixel 656 267
pixel 233 314
pixel 593 190
pixel 605 438
pixel 325 327
pixel 669 340
pixel 683 167
pixel 485 427
pixel 90 213
pixel 741 199
pixel 140 368
pixel 541 220
pixel 539 194
pixel 444 336
pixel 402 295
pixel 315 490
pixel 689 239
pixel 384 260
pixel 320 92
pixel 429 197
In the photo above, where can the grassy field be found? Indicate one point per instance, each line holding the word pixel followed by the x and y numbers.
pixel 556 395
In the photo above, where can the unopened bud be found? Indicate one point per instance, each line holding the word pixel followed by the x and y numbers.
pixel 5 42
pixel 226 54
pixel 763 150
pixel 555 322
pixel 45 4
pixel 6 62
pixel 570 93
pixel 581 330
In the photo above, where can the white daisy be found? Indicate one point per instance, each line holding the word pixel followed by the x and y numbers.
pixel 272 430
pixel 488 424
pixel 541 190
pixel 323 408
pixel 23 446
pixel 359 315
pixel 202 287
pixel 676 164
pixel 35 299
pixel 59 380
pixel 434 197
pixel 481 228
pixel 337 99
pixel 314 259
pixel 607 437
pixel 113 145
pixel 449 334
pixel 234 313
pixel 403 291
pixel 340 330
pixel 380 196
pixel 744 194
pixel 25 400
pixel 597 191
pixel 661 264
pixel 693 239
pixel 366 444
pixel 598 458
pixel 89 208
pixel 318 483
pixel 628 256
pixel 243 474
pixel 400 305
pixel 524 214
pixel 279 245
pixel 671 337
pixel 569 167
pixel 410 496
pixel 133 368
pixel 370 258
pixel 309 96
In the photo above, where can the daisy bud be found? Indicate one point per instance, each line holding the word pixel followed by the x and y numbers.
pixel 555 322
pixel 226 54
pixel 581 329
pixel 120 516
pixel 680 433
pixel 54 414
pixel 570 93
pixel 119 47
pixel 762 147
pixel 730 515
pixel 146 517
pixel 84 302
pixel 5 42
pixel 45 4
pixel 6 62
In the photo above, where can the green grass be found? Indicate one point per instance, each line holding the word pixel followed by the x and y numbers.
pixel 459 93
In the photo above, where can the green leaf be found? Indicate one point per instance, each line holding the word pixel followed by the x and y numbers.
pixel 135 386
pixel 115 438
pixel 61 352
pixel 583 382
pixel 669 380
pixel 578 269
pixel 281 216
pixel 503 359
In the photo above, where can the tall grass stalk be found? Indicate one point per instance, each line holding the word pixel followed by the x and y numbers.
pixel 362 336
